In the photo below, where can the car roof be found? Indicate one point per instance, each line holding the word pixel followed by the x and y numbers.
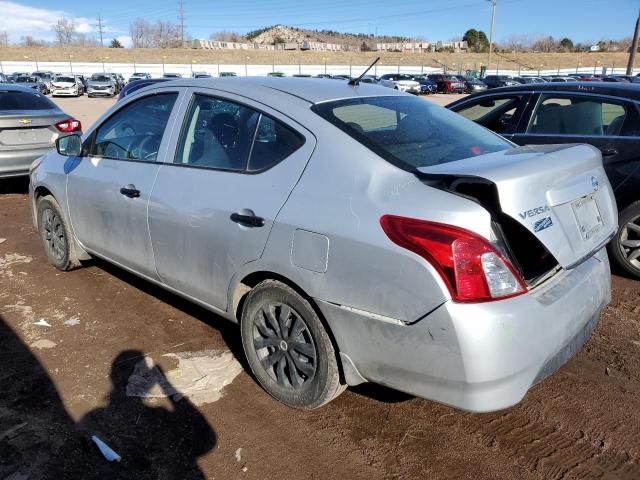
pixel 627 90
pixel 12 87
pixel 312 90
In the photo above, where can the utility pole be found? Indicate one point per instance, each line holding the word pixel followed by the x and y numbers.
pixel 634 47
pixel 181 18
pixel 100 29
pixel 493 16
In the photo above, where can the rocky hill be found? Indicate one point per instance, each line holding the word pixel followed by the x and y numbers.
pixel 284 34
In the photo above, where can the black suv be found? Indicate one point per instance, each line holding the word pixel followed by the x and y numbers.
pixel 605 115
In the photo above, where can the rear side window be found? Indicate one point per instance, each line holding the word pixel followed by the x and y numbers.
pixel 135 131
pixel 579 115
pixel 13 100
pixel 410 132
pixel 273 143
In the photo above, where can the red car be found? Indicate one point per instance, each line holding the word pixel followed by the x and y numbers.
pixel 447 83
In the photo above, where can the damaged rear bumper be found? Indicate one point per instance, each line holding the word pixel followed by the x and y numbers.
pixel 477 357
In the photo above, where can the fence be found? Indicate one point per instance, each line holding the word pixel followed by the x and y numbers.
pixel 157 69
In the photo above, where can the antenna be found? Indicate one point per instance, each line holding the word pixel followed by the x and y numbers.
pixel 356 81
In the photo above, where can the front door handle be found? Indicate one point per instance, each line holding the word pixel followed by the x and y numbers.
pixel 130 191
pixel 247 218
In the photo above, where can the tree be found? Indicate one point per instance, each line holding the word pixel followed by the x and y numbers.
pixel 115 43
pixel 64 29
pixel 566 44
pixel 476 40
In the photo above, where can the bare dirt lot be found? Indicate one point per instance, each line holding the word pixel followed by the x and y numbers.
pixel 76 345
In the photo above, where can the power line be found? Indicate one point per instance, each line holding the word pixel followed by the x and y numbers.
pixel 181 18
pixel 100 29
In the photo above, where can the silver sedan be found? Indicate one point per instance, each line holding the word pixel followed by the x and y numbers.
pixel 355 233
pixel 29 125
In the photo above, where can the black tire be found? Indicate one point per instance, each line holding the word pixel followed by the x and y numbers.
pixel 283 362
pixel 624 249
pixel 55 235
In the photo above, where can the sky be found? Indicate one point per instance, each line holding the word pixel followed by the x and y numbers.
pixel 583 21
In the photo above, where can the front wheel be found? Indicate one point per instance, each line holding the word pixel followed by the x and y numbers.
pixel 624 249
pixel 58 244
pixel 288 348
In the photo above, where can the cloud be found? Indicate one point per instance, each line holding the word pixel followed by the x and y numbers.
pixel 19 20
pixel 125 40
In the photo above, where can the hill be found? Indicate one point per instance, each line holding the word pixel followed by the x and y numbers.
pixel 284 34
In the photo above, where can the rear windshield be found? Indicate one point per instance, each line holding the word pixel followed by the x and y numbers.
pixel 12 100
pixel 410 132
pixel 100 78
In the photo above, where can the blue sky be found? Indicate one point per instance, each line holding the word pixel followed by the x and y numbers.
pixel 581 20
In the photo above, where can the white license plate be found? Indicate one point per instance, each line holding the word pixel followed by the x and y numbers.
pixel 587 216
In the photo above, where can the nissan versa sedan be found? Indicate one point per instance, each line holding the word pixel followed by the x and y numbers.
pixel 605 115
pixel 30 123
pixel 356 233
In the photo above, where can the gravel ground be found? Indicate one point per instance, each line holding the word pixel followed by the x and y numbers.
pixel 67 381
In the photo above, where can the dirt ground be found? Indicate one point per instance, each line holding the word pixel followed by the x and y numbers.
pixel 72 342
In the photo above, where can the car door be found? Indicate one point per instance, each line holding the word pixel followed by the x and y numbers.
pixel 500 112
pixel 211 210
pixel 610 124
pixel 108 187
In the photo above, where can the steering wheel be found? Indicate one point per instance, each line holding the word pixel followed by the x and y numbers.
pixel 143 144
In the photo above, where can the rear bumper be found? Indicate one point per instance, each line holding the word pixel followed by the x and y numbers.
pixel 15 163
pixel 478 357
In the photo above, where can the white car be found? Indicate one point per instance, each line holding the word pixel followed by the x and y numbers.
pixel 67 85
pixel 401 82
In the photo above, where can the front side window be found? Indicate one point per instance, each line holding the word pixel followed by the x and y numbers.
pixel 410 132
pixel 578 115
pixel 135 131
pixel 493 113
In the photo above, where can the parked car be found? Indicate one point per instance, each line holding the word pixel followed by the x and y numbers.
pixel 427 86
pixel 171 75
pixel 200 75
pixel 30 123
pixel 439 260
pixel 621 79
pixel 136 85
pixel 67 85
pixel 496 81
pixel 604 115
pixel 102 84
pixel 322 75
pixel 447 83
pixel 33 82
pixel 399 81
pixel 120 81
pixel 138 76
pixel 585 77
pixel 562 79
pixel 528 79
pixel 472 85
pixel 3 78
pixel 46 77
pixel 227 74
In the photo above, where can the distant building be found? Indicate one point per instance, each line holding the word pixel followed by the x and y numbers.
pixel 417 47
pixel 305 45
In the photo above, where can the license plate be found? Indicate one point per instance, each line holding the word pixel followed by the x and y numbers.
pixel 587 216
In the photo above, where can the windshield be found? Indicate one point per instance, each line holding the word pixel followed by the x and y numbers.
pixel 66 79
pixel 26 80
pixel 410 132
pixel 15 100
pixel 100 78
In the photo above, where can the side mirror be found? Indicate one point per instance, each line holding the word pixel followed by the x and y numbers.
pixel 69 145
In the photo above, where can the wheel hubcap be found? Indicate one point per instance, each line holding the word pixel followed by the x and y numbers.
pixel 54 236
pixel 630 242
pixel 284 345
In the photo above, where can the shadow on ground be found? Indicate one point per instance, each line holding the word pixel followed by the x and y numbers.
pixel 39 440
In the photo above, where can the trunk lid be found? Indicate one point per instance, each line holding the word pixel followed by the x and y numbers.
pixel 559 193
pixel 29 128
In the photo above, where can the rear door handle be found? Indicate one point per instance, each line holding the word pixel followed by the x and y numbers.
pixel 130 191
pixel 247 219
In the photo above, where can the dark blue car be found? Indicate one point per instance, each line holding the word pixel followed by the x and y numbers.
pixel 426 85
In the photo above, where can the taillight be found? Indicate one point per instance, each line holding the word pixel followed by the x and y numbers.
pixel 472 268
pixel 69 125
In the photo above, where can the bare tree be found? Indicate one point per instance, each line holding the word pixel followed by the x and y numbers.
pixel 140 32
pixel 4 39
pixel 30 41
pixel 85 41
pixel 64 29
pixel 225 36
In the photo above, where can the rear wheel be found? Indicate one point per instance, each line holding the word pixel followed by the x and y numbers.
pixel 288 348
pixel 625 247
pixel 58 244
